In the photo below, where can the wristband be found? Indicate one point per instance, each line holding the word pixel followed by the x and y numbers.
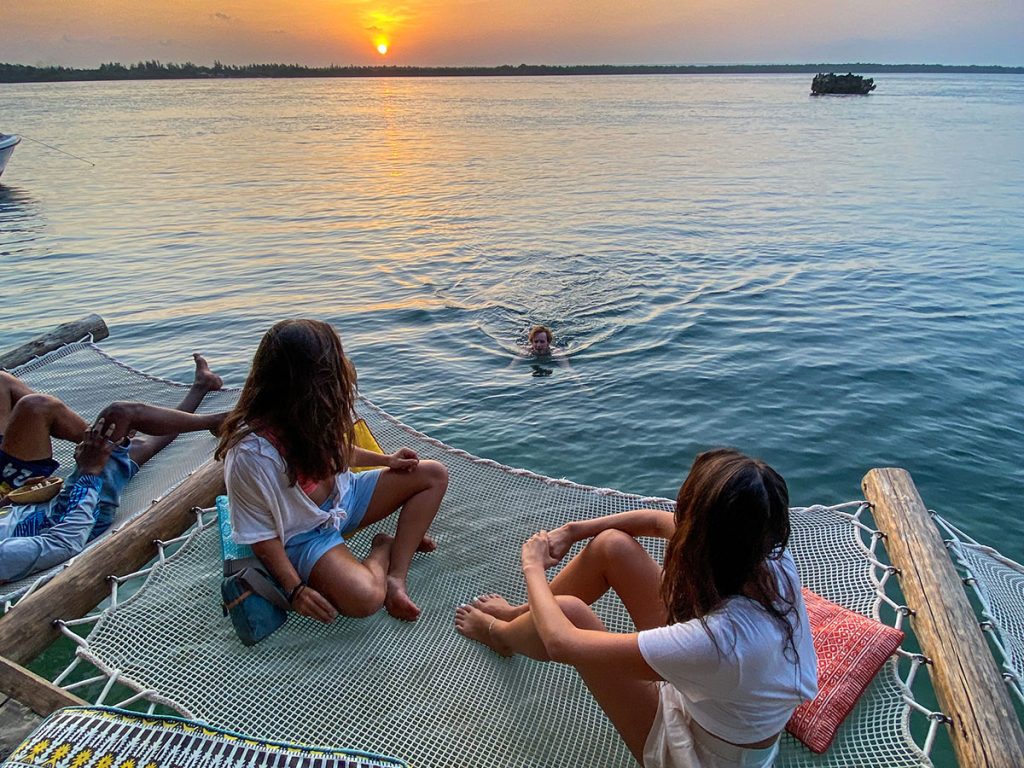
pixel 295 591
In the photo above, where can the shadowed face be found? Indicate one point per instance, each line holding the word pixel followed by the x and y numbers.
pixel 540 344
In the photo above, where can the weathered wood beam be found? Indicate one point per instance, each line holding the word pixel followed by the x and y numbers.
pixel 28 628
pixel 58 337
pixel 968 684
pixel 33 691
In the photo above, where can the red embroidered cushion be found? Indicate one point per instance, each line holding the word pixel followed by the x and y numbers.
pixel 851 649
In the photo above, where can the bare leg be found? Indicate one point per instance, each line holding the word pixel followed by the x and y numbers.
pixel 615 560
pixel 631 704
pixel 162 425
pixel 419 493
pixel 354 588
pixel 12 389
pixel 33 420
pixel 612 560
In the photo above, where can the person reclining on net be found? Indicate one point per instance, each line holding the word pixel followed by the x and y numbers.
pixel 37 536
pixel 30 419
pixel 716 686
pixel 288 449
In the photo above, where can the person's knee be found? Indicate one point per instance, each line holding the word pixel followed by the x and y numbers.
pixel 361 600
pixel 613 544
pixel 8 383
pixel 578 612
pixel 435 474
pixel 36 406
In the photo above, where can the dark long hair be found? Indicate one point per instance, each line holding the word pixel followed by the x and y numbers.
pixel 302 389
pixel 732 517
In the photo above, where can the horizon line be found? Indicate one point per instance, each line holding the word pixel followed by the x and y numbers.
pixel 521 65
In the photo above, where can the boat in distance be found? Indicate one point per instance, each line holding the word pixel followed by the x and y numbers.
pixel 7 144
pixel 849 83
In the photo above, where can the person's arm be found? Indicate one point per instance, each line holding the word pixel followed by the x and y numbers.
pixel 402 459
pixel 121 418
pixel 304 599
pixel 656 523
pixel 563 640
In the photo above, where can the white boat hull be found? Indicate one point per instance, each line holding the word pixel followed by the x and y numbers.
pixel 7 145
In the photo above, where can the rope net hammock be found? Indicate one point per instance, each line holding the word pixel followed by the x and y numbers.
pixel 420 691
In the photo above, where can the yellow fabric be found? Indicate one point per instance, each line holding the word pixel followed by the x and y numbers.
pixel 365 439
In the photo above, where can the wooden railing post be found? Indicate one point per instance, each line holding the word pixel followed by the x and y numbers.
pixel 968 684
pixel 58 337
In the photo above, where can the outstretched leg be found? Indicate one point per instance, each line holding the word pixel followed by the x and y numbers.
pixel 419 492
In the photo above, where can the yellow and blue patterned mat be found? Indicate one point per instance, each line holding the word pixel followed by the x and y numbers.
pixel 103 737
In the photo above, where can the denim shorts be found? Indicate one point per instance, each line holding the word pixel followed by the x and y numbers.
pixel 119 469
pixel 14 472
pixel 305 549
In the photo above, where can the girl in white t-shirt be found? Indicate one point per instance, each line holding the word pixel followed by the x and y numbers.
pixel 288 449
pixel 723 654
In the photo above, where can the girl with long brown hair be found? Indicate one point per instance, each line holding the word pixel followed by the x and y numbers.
pixel 288 448
pixel 723 651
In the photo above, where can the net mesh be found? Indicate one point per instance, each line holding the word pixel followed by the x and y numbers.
pixel 999 585
pixel 420 691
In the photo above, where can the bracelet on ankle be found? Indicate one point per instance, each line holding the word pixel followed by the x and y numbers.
pixel 295 591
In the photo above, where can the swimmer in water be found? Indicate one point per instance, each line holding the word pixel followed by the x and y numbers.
pixel 540 348
pixel 541 339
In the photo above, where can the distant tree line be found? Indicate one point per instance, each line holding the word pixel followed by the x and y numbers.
pixel 155 70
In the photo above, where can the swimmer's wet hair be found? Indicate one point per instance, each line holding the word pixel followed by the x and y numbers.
pixel 542 329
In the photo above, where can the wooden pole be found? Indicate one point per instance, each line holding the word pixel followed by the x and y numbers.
pixel 28 628
pixel 33 691
pixel 58 337
pixel 968 684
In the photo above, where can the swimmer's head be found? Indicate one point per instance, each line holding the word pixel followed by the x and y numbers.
pixel 541 339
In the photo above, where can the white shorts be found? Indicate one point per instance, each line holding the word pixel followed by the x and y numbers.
pixel 675 741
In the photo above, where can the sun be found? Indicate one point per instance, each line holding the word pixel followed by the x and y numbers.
pixel 382 49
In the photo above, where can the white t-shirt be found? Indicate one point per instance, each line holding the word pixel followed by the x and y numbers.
pixel 745 689
pixel 263 504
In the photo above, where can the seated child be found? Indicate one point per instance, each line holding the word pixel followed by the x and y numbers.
pixel 288 449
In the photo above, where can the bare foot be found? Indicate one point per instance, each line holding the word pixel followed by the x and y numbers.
pixel 498 607
pixel 205 378
pixel 477 625
pixel 427 544
pixel 398 602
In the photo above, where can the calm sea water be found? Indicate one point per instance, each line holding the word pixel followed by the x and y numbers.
pixel 829 283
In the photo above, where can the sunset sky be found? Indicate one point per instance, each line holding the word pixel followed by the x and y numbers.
pixel 491 32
